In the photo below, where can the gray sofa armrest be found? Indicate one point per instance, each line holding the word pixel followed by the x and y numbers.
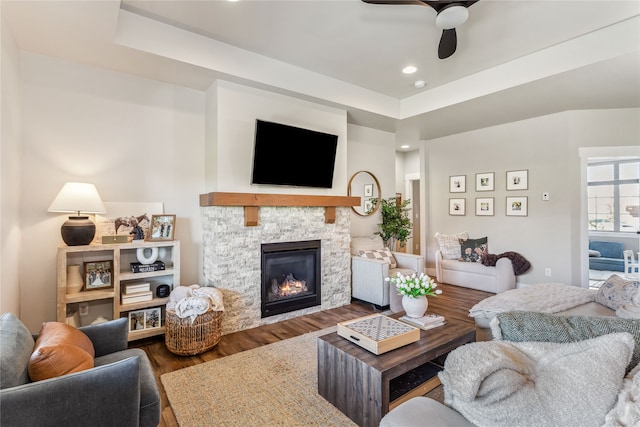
pixel 421 411
pixel 108 337
pixel 410 261
pixel 104 396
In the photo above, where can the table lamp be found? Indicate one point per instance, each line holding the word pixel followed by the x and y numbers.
pixel 78 197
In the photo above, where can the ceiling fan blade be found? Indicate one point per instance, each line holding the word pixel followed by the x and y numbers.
pixel 448 43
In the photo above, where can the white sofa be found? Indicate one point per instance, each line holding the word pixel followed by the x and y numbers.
pixel 368 275
pixel 475 275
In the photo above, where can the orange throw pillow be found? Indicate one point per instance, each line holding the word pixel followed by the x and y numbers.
pixel 59 350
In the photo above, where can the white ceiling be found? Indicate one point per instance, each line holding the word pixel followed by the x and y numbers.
pixel 515 59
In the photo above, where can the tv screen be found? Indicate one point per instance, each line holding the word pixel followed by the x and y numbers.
pixel 288 155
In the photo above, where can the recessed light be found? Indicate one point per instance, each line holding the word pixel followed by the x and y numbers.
pixel 419 84
pixel 409 69
pixel 405 146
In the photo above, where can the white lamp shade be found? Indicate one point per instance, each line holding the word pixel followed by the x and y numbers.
pixel 78 197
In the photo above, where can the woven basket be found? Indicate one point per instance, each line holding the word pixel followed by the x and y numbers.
pixel 186 339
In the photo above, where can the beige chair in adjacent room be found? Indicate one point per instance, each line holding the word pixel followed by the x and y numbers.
pixel 630 265
pixel 370 268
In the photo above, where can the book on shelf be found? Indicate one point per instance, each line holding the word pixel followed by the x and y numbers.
pixel 137 267
pixel 137 297
pixel 133 288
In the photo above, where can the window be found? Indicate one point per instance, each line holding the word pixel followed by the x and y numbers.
pixel 614 195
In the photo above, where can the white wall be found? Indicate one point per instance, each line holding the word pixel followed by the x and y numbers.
pixel 10 179
pixel 234 109
pixel 374 151
pixel 549 237
pixel 137 140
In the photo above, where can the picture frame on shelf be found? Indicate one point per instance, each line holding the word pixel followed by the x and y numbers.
pixel 458 184
pixel 152 318
pixel 485 181
pixel 368 190
pixel 457 207
pixel 518 180
pixel 517 206
pixel 484 206
pixel 136 320
pixel 162 227
pixel 98 275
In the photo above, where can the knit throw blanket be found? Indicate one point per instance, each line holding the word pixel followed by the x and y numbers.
pixel 543 298
pixel 520 263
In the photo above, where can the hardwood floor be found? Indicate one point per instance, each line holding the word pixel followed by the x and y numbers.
pixel 454 302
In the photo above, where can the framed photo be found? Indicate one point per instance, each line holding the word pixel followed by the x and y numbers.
pixel 484 206
pixel 517 206
pixel 152 318
pixel 485 181
pixel 163 227
pixel 458 184
pixel 457 206
pixel 98 275
pixel 368 206
pixel 368 190
pixel 136 320
pixel 518 180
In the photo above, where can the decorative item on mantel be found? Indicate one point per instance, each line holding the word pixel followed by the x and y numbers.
pixel 78 197
pixel 414 290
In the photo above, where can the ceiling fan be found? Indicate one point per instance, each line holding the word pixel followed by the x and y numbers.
pixel 450 14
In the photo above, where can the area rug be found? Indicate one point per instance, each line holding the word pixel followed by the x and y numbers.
pixel 272 385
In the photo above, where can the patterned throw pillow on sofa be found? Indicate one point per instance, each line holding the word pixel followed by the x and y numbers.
pixel 616 291
pixel 471 250
pixel 381 254
pixel 450 244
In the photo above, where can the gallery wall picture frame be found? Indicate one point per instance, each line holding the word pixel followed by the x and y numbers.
pixel 484 206
pixel 368 190
pixel 485 181
pixel 518 180
pixel 163 227
pixel 458 184
pixel 457 207
pixel 517 206
pixel 98 275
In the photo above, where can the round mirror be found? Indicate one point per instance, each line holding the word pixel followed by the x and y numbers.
pixel 365 185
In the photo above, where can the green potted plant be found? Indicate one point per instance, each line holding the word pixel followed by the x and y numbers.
pixel 396 225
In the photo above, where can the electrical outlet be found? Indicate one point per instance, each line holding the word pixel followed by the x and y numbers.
pixel 83 308
pixel 547 272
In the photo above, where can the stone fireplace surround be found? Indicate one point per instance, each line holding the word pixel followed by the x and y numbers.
pixel 231 252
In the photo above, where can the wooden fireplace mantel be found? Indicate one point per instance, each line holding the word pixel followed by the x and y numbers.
pixel 252 202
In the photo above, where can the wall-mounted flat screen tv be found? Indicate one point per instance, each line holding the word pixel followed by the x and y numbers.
pixel 288 155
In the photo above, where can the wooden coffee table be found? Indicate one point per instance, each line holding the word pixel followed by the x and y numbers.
pixel 360 384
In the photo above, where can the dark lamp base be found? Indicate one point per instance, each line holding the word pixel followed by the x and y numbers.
pixel 78 230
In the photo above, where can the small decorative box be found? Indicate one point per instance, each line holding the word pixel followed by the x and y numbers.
pixel 378 333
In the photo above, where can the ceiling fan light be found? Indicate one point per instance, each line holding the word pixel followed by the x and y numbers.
pixel 452 16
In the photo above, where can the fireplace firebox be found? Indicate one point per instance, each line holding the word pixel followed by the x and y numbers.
pixel 291 276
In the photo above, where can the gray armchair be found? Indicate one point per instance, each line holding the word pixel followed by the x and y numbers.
pixel 120 390
pixel 368 275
